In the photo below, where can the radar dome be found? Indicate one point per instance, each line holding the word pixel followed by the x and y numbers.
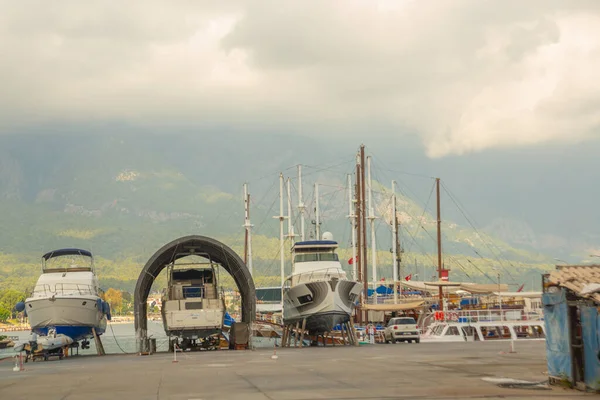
pixel 327 236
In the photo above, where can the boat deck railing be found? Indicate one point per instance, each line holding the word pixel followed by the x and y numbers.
pixel 64 289
pixel 489 315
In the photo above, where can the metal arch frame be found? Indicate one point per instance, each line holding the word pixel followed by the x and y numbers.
pixel 178 248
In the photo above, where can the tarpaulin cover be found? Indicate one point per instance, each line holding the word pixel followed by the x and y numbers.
pixel 384 290
pixel 591 346
pixel 393 307
pixel 558 351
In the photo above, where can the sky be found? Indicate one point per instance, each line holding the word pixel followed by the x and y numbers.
pixel 499 98
pixel 462 77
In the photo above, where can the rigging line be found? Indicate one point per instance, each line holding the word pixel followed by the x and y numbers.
pixel 266 216
pixel 480 270
pixel 419 223
pixel 402 172
pixel 326 166
pixel 454 200
pixel 419 246
pixel 399 181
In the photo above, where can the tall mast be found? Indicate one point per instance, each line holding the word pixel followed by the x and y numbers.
pixel 352 218
pixel 301 206
pixel 395 263
pixel 281 237
pixel 317 214
pixel 248 226
pixel 359 247
pixel 439 241
pixel 291 235
pixel 372 223
pixel 363 221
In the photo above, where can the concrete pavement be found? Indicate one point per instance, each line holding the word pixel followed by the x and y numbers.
pixel 411 371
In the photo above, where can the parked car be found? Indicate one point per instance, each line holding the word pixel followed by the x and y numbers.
pixel 402 329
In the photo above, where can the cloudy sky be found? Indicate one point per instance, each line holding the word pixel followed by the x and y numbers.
pixel 461 76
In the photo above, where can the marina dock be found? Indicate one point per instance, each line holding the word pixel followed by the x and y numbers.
pixel 424 371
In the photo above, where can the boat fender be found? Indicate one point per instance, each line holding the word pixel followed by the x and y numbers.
pixel 106 309
pixel 20 306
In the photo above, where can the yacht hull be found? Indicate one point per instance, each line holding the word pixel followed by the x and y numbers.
pixel 73 316
pixel 324 304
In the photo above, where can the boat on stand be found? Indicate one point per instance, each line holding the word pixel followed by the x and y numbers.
pixel 193 309
pixel 66 301
pixel 318 294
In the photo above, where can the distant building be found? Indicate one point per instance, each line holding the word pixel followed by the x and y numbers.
pixel 571 301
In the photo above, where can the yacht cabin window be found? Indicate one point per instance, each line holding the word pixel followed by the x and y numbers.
pixel 316 257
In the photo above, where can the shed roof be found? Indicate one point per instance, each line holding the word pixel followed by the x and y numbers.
pixel 581 279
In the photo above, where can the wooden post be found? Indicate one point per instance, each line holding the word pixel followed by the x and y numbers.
pixel 302 332
pixel 296 334
pixel 283 336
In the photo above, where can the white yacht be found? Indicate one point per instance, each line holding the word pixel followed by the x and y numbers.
pixel 193 311
pixel 485 325
pixel 66 297
pixel 318 289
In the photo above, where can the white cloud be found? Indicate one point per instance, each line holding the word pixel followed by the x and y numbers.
pixel 464 75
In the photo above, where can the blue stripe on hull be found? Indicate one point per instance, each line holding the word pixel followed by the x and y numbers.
pixel 76 333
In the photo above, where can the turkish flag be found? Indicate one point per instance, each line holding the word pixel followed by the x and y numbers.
pixel 408 277
pixel 351 261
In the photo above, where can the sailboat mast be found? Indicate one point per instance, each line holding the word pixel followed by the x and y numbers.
pixel 372 226
pixel 395 263
pixel 248 226
pixel 291 234
pixel 359 247
pixel 281 238
pixel 301 206
pixel 317 214
pixel 352 218
pixel 439 241
pixel 245 223
pixel 363 221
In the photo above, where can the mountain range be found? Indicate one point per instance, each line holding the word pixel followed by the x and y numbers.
pixel 124 195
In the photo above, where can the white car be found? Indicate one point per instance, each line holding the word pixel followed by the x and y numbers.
pixel 401 329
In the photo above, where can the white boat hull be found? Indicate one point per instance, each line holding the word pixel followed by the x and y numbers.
pixel 65 312
pixel 324 304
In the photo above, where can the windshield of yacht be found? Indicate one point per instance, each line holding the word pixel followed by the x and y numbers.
pixel 70 262
pixel 316 257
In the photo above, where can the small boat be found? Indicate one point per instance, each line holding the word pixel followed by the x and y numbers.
pixel 6 342
pixel 318 290
pixel 66 297
pixel 193 311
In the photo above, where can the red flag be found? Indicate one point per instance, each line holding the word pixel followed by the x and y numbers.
pixel 521 288
pixel 351 261
pixel 408 277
